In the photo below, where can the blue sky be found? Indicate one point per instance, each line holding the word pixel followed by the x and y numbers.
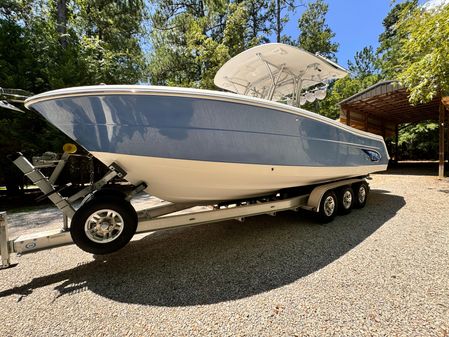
pixel 356 23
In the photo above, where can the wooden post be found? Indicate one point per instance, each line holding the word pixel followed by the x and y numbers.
pixel 396 146
pixel 445 101
pixel 348 117
pixel 441 142
pixel 4 249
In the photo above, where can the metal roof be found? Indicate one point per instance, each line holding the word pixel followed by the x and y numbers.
pixel 381 107
pixel 380 88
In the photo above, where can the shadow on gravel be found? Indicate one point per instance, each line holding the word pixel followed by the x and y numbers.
pixel 221 262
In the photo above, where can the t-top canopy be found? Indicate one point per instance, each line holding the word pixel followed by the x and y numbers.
pixel 276 71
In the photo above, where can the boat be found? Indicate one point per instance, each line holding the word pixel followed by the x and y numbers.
pixel 203 146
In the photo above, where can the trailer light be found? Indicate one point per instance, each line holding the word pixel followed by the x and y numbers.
pixel 69 148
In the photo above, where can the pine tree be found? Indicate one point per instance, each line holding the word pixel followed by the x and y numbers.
pixel 315 35
pixel 364 64
pixel 190 43
pixel 390 40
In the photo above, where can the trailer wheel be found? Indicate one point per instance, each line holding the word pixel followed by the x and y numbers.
pixel 328 207
pixel 345 200
pixel 361 194
pixel 103 225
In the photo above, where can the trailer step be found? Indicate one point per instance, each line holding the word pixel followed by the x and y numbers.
pixel 41 181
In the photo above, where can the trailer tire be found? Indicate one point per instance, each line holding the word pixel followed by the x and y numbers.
pixel 103 225
pixel 328 207
pixel 361 191
pixel 345 200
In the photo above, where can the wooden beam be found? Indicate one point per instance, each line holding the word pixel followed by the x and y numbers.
pixel 445 101
pixel 396 146
pixel 441 142
pixel 397 110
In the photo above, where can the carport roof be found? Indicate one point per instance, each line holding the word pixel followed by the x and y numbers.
pixel 388 103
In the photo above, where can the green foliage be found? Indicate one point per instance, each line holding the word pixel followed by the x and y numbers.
pixel 259 14
pixel 204 36
pixel 40 49
pixel 419 141
pixel 364 64
pixel 342 89
pixel 390 41
pixel 16 58
pixel 390 23
pixel 101 43
pixel 364 73
pixel 210 53
pixel 27 133
pixel 278 15
pixel 423 57
pixel 315 35
pixel 398 49
pixel 109 39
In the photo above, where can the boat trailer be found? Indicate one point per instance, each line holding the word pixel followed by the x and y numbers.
pixel 323 199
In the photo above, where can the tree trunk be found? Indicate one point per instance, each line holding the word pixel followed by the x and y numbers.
pixel 278 21
pixel 254 14
pixel 61 21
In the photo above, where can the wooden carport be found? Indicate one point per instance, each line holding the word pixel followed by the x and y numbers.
pixel 381 108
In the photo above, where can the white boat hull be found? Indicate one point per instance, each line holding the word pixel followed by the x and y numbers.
pixel 179 181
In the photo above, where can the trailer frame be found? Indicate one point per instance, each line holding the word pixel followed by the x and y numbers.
pixel 161 217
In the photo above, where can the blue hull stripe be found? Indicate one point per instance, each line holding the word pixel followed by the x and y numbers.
pixel 205 129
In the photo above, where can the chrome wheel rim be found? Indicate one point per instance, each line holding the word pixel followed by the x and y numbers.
pixel 347 199
pixel 329 206
pixel 103 226
pixel 362 194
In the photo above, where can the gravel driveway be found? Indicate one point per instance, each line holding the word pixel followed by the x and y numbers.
pixel 383 270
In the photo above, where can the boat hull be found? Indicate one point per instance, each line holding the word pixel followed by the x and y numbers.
pixel 180 180
pixel 196 145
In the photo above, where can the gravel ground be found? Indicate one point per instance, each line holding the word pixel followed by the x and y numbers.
pixel 382 270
